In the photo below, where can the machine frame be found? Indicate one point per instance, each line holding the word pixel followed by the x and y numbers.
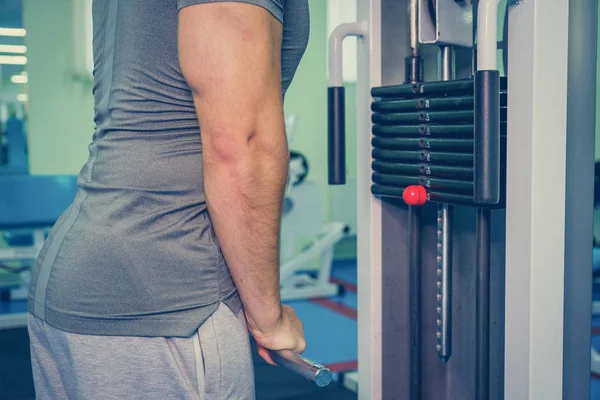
pixel 544 344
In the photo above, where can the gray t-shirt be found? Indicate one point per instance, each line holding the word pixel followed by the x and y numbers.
pixel 135 253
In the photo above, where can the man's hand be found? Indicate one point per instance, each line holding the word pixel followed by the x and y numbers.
pixel 288 334
pixel 230 56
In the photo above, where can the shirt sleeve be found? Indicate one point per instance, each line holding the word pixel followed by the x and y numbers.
pixel 275 7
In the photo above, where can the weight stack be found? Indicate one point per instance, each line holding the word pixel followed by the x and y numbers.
pixel 425 135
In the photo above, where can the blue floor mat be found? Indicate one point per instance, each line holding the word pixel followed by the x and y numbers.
pixel 345 270
pixel 348 299
pixel 596 291
pixel 13 307
pixel 331 338
pixel 595 390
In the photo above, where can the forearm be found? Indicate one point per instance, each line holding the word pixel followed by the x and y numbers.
pixel 244 192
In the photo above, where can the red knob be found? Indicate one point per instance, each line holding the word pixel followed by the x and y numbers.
pixel 415 195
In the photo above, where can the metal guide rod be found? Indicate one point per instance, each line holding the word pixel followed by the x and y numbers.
pixel 414 226
pixel 444 283
pixel 302 366
pixel 414 74
pixel 413 15
pixel 444 247
pixel 440 197
pixel 482 306
pixel 447 63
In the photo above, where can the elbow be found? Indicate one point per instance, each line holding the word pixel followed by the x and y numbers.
pixel 246 149
pixel 224 149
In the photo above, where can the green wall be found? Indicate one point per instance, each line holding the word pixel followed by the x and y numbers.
pixel 61 108
pixel 307 99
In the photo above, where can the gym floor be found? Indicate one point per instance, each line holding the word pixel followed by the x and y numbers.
pixel 331 334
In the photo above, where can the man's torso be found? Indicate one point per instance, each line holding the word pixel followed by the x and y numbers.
pixel 136 254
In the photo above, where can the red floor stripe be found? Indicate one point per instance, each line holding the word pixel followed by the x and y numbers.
pixel 336 307
pixel 344 366
pixel 347 285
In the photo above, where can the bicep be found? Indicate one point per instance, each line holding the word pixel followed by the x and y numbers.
pixel 229 54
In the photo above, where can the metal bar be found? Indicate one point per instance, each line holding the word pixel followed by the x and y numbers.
pixel 444 245
pixel 461 131
pixel 447 63
pixel 536 213
pixel 437 117
pixel 487 136
pixel 444 283
pixel 465 145
pixel 413 16
pixel 434 130
pixel 455 87
pixel 430 103
pixel 487 34
pixel 579 207
pixel 423 156
pixel 413 64
pixel 424 116
pixel 308 369
pixel 442 103
pixel 445 185
pixel 336 136
pixel 482 307
pixel 396 91
pixel 444 171
pixel 433 196
pixel 414 74
pixel 414 223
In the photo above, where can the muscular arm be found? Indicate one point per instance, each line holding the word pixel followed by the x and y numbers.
pixel 230 56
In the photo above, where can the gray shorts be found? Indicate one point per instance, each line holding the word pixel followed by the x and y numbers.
pixel 215 363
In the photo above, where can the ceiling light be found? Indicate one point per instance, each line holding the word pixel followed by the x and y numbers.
pixel 14 60
pixel 18 79
pixel 22 97
pixel 9 48
pixel 12 32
